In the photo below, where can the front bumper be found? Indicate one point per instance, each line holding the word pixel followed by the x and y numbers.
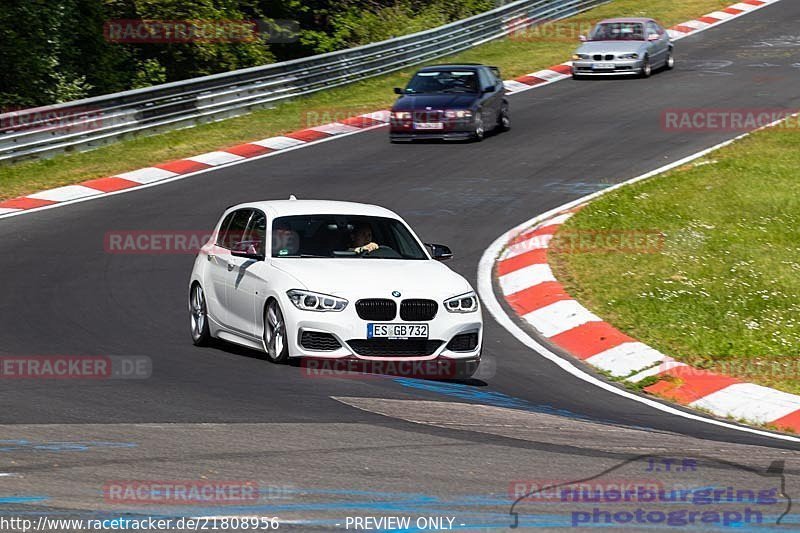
pixel 452 130
pixel 347 326
pixel 619 67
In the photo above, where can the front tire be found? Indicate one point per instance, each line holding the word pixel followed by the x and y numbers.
pixel 479 132
pixel 670 62
pixel 647 68
pixel 503 121
pixel 199 316
pixel 275 340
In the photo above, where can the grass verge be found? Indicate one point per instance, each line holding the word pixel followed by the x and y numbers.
pixel 723 290
pixel 515 56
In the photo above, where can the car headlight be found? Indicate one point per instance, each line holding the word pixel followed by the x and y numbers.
pixel 314 301
pixel 464 303
pixel 458 113
pixel 576 57
pixel 628 56
pixel 401 115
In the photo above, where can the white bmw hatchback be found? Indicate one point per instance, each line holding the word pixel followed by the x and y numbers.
pixel 334 280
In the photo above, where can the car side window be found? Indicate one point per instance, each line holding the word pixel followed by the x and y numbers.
pixel 485 79
pixel 236 228
pixel 223 228
pixel 496 73
pixel 256 234
pixel 651 29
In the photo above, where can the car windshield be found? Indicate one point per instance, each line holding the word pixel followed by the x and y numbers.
pixel 443 82
pixel 618 31
pixel 343 236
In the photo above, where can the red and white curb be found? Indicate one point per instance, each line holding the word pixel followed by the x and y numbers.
pixel 528 286
pixel 191 165
pixel 167 172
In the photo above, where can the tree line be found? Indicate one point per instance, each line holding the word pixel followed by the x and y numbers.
pixel 60 50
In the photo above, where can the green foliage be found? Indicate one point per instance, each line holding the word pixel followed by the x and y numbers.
pixel 55 51
pixel 356 24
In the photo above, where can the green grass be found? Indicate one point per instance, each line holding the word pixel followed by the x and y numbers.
pixel 724 291
pixel 515 57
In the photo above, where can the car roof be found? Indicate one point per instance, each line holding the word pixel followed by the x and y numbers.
pixel 280 208
pixel 465 66
pixel 627 19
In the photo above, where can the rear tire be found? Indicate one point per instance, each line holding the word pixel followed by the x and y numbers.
pixel 274 337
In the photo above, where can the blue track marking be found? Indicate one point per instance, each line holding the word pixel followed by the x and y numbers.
pixel 497 399
pixel 76 446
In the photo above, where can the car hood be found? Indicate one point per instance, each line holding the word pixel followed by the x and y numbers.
pixel 411 102
pixel 611 47
pixel 353 278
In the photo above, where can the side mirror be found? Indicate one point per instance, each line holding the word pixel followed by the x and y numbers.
pixel 583 38
pixel 440 252
pixel 248 250
pixel 488 89
pixel 653 37
pixel 398 90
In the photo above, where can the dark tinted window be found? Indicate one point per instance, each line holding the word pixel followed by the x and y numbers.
pixel 618 31
pixel 223 228
pixel 340 235
pixel 652 27
pixel 486 79
pixel 444 81
pixel 235 230
pixel 255 238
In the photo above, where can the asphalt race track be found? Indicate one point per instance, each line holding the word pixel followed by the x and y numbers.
pixel 374 446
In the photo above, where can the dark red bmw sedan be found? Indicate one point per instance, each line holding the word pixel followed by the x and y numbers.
pixel 450 102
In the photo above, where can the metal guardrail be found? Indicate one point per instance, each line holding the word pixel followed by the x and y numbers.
pixel 92 122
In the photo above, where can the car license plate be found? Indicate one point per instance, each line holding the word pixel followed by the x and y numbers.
pixel 603 66
pixel 428 125
pixel 397 331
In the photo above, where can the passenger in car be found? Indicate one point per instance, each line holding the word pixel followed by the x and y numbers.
pixel 285 241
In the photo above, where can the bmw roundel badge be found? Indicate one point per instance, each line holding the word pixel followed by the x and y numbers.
pixel 396 294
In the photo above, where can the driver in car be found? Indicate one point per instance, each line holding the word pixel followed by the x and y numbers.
pixel 361 239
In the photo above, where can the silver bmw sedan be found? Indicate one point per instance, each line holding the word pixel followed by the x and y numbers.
pixel 623 46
